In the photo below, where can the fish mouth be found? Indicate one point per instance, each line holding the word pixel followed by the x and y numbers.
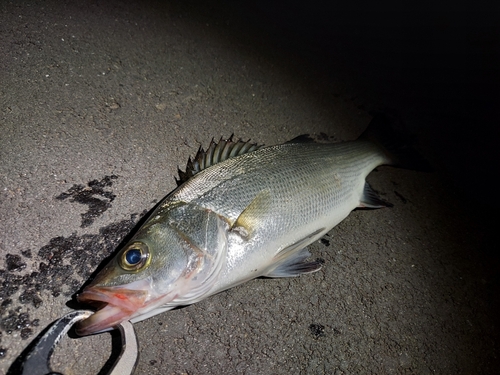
pixel 114 305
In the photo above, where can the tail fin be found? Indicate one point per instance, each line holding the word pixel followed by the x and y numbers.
pixel 398 146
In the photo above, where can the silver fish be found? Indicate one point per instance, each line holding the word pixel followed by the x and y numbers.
pixel 244 211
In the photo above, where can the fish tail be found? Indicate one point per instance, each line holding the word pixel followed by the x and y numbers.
pixel 397 146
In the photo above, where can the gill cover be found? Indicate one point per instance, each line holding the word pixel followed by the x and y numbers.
pixel 204 234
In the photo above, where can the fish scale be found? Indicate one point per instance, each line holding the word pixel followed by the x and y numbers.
pixel 241 211
pixel 312 186
pixel 289 171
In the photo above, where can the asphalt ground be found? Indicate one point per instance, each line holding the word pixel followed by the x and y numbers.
pixel 102 101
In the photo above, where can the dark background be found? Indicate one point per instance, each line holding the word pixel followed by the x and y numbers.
pixel 438 62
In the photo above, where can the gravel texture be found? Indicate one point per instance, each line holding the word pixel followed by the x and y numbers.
pixel 101 101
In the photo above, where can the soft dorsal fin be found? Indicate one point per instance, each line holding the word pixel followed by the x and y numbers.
pixel 303 138
pixel 216 152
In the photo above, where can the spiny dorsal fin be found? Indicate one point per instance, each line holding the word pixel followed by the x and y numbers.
pixel 216 152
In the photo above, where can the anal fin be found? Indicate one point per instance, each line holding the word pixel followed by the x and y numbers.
pixel 370 199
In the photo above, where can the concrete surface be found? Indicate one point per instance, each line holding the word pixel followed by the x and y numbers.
pixel 101 101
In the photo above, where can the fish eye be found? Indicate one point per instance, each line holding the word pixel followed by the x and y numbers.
pixel 135 257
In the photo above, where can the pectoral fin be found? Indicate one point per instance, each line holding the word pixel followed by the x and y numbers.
pixel 253 214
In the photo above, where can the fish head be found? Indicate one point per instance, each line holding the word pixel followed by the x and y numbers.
pixel 160 268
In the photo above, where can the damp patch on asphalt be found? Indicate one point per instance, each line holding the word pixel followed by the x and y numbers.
pixel 317 330
pixel 325 241
pixel 92 195
pixel 60 267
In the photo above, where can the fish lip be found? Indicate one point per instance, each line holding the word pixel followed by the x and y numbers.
pixel 114 305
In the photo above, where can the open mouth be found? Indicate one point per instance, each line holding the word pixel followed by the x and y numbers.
pixel 114 305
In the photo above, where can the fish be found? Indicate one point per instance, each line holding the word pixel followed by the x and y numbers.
pixel 240 211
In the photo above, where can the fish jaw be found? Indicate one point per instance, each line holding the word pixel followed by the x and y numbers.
pixel 115 305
